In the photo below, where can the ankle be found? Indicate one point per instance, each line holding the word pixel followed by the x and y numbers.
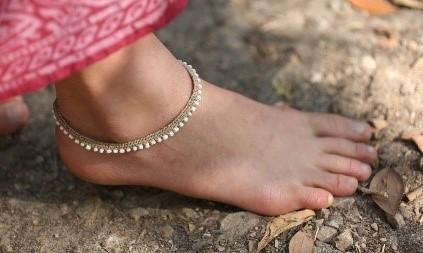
pixel 127 95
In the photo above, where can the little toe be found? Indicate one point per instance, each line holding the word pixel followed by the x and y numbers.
pixel 337 184
pixel 347 148
pixel 331 125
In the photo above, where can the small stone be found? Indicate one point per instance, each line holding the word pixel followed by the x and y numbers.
pixel 191 227
pixel 9 248
pixel 167 231
pixel 344 241
pixel 138 212
pixel 344 203
pixel 56 235
pixel 251 246
pixel 206 235
pixel 374 227
pixel 325 213
pixel 190 213
pixel 220 248
pixel 368 63
pixel 383 239
pixel 35 221
pixel 397 221
pixel 112 242
pixel 326 233
pixel 238 224
pixel 324 248
pixel 336 221
pixel 319 222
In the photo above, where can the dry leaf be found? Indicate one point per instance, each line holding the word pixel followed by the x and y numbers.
pixel 283 223
pixel 416 136
pixel 374 7
pixel 378 125
pixel 301 242
pixel 390 188
pixel 415 4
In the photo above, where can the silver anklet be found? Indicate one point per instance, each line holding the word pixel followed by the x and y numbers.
pixel 141 143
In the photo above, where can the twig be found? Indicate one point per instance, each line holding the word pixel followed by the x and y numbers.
pixel 370 192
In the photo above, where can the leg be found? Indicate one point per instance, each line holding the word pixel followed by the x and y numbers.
pixel 13 115
pixel 233 150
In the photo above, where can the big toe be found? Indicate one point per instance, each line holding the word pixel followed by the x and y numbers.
pixel 13 115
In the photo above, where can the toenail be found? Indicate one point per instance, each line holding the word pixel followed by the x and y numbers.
pixel 359 127
pixel 330 199
pixel 367 168
pixel 371 149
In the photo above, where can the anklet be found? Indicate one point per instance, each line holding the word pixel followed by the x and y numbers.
pixel 141 143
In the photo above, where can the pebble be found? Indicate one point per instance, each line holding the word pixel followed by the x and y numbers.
pixel 326 233
pixel 374 227
pixel 368 63
pixel 167 231
pixel 344 241
pixel 112 242
pixel 220 248
pixel 343 203
pixel 138 212
pixel 325 213
pixel 324 248
pixel 191 227
pixel 336 222
pixel 190 213
pixel 396 221
pixel 238 224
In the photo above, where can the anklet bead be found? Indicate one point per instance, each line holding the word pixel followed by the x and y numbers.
pixel 146 142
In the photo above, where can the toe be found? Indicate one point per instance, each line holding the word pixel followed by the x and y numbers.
pixel 314 198
pixel 13 115
pixel 346 166
pixel 344 147
pixel 330 125
pixel 337 184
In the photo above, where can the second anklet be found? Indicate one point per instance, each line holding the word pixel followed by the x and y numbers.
pixel 141 143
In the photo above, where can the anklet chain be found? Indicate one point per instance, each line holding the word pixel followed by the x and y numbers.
pixel 141 143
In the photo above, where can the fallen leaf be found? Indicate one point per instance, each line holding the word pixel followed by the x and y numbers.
pixel 283 223
pixel 301 242
pixel 378 125
pixel 415 4
pixel 414 135
pixel 374 7
pixel 389 186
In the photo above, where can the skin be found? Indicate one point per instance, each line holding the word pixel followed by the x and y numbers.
pixel 267 159
pixel 13 115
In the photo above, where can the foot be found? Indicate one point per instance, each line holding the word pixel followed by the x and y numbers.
pixel 234 150
pixel 13 115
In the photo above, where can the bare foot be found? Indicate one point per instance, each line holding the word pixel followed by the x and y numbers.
pixel 13 115
pixel 233 150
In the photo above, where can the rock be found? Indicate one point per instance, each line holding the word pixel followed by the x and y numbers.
pixel 167 231
pixel 344 203
pixel 138 212
pixel 397 221
pixel 336 221
pixel 344 241
pixel 112 243
pixel 190 213
pixel 368 63
pixel 191 227
pixel 220 248
pixel 238 224
pixel 374 227
pixel 251 246
pixel 324 248
pixel 326 233
pixel 325 213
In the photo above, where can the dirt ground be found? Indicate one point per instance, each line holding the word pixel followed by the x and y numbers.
pixel 316 56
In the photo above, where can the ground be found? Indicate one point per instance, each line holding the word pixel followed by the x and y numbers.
pixel 314 55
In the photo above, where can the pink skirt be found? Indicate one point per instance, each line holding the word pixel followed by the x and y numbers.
pixel 42 41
